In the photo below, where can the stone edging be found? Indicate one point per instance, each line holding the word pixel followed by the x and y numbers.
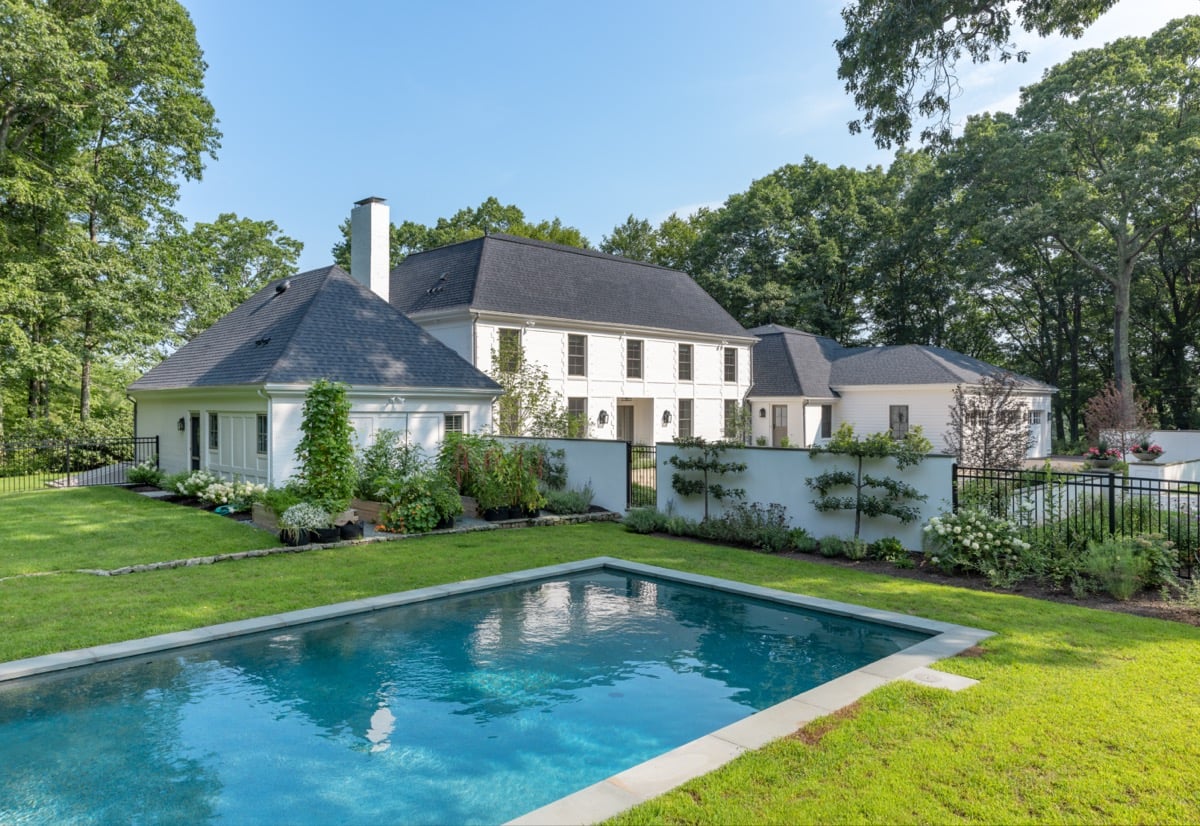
pixel 538 522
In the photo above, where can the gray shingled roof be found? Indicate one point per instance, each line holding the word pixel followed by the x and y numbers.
pixel 790 362
pixel 324 325
pixel 507 274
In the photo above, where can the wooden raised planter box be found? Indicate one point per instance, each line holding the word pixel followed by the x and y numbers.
pixel 368 511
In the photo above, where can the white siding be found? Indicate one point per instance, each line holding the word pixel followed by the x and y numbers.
pixel 606 386
pixel 158 414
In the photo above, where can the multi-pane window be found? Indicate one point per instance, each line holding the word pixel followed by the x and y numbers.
pixel 576 355
pixel 260 426
pixel 577 415
pixel 633 358
pixel 731 418
pixel 214 430
pixel 509 349
pixel 454 422
pixel 826 421
pixel 685 418
pixel 898 420
pixel 731 365
pixel 685 362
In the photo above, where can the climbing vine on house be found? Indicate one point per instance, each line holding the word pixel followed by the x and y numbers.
pixel 326 450
pixel 869 495
pixel 706 459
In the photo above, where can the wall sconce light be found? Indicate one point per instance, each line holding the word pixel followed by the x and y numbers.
pixel 181 425
pixel 762 412
pixel 396 400
pixel 602 418
pixel 666 417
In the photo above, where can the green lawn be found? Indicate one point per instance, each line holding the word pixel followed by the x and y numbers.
pixel 1081 715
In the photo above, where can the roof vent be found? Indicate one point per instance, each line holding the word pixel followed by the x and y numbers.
pixel 261 342
pixel 282 286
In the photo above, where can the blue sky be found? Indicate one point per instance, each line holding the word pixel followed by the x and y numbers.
pixel 584 111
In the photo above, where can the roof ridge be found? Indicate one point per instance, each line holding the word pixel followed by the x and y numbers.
pixel 291 336
pixel 588 251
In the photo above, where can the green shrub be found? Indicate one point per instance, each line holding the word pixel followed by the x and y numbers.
pixel 387 459
pixel 974 540
pixel 856 549
pixel 279 500
pixel 1116 565
pixel 682 526
pixel 325 451
pixel 752 524
pixel 644 520
pixel 569 501
pixel 147 473
pixel 417 504
pixel 1161 558
pixel 800 540
pixel 831 546
pixel 890 549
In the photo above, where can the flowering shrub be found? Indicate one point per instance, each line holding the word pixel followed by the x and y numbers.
pixel 1102 452
pixel 238 495
pixel 1147 447
pixel 196 484
pixel 147 473
pixel 974 540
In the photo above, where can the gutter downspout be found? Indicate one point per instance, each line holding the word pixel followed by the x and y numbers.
pixel 270 434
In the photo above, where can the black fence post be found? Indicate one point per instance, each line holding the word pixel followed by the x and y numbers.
pixel 67 456
pixel 1112 503
pixel 628 474
pixel 157 466
pixel 954 487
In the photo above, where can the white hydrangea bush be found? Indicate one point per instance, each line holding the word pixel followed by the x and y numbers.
pixel 237 494
pixel 975 540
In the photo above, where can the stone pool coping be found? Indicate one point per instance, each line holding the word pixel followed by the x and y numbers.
pixel 653 777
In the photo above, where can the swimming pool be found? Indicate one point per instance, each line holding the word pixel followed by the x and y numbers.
pixel 472 703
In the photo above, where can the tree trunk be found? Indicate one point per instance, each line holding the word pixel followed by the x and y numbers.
pixel 1122 370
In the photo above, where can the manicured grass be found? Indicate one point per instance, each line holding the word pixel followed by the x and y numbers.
pixel 1081 715
pixel 105 527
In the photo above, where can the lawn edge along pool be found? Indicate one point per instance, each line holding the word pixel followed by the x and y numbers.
pixel 655 776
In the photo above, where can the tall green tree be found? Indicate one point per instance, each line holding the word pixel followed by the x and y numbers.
pixel 490 216
pixel 102 112
pixel 900 58
pixel 1110 141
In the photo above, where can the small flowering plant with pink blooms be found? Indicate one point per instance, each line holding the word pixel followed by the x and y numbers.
pixel 1102 451
pixel 1149 448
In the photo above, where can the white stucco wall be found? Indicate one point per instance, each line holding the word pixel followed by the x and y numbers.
pixel 777 476
pixel 600 463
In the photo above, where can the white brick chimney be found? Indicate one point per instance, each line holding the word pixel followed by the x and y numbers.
pixel 370 237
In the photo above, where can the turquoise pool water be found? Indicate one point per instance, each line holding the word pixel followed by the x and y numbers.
pixel 470 709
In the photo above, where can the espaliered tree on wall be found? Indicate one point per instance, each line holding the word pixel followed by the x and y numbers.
pixel 872 495
pixel 706 461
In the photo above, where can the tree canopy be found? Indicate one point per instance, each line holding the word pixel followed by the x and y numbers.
pixel 901 58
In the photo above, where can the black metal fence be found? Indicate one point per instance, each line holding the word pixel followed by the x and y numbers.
pixel 72 462
pixel 643 476
pixel 1087 505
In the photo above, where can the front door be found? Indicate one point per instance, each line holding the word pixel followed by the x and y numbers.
pixel 779 430
pixel 625 422
pixel 195 442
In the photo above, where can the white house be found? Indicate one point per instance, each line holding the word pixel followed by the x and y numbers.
pixel 806 386
pixel 231 400
pixel 641 352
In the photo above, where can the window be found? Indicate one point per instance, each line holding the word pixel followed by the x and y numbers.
pixel 898 420
pixel 685 362
pixel 508 353
pixel 261 432
pixel 633 359
pixel 455 422
pixel 576 355
pixel 731 418
pixel 577 416
pixel 826 421
pixel 731 365
pixel 685 418
pixel 213 432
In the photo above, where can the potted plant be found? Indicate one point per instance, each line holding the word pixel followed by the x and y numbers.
pixel 1101 455
pixel 1147 451
pixel 303 523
